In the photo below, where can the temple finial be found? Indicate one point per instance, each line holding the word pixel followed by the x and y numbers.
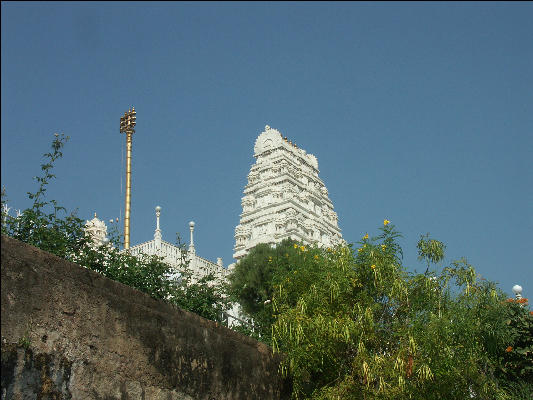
pixel 157 235
pixel 191 244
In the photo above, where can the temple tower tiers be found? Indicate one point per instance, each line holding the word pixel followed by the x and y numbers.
pixel 284 198
pixel 96 229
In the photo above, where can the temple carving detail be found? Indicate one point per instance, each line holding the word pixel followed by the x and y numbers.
pixel 284 198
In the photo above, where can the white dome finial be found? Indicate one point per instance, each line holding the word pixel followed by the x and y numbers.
pixel 517 289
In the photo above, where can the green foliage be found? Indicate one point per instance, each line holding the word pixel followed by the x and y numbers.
pixel 251 283
pixel 518 359
pixel 205 296
pixel 430 250
pixel 47 226
pixel 356 325
pixel 24 342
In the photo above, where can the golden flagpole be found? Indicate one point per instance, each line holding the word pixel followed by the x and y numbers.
pixel 127 125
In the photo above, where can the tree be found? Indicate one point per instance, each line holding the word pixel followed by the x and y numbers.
pixel 251 284
pixel 357 325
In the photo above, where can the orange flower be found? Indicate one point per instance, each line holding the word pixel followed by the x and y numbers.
pixel 366 236
pixel 531 313
pixel 508 349
pixel 522 300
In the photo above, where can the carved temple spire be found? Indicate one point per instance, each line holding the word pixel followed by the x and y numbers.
pixel 157 235
pixel 284 198
pixel 191 244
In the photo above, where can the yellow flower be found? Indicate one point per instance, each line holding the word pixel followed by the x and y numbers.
pixel 269 259
pixel 383 247
pixel 366 236
pixel 329 249
pixel 386 222
pixel 302 248
pixel 360 250
pixel 316 256
pixel 295 246
pixel 373 266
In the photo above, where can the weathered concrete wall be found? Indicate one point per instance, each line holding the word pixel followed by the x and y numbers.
pixel 69 333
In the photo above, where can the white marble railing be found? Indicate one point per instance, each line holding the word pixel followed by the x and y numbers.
pixel 204 267
pixel 172 254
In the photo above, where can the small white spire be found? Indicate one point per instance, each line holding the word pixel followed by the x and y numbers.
pixel 157 235
pixel 219 262
pixel 191 244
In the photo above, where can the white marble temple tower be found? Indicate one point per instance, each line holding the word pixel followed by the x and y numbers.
pixel 284 198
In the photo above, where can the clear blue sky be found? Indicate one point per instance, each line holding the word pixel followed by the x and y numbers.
pixel 421 113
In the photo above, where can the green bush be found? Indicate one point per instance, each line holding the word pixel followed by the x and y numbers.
pixel 357 325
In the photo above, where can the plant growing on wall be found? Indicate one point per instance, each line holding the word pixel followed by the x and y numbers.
pixel 48 226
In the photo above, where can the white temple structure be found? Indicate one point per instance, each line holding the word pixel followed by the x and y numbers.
pixel 171 253
pixel 97 230
pixel 284 198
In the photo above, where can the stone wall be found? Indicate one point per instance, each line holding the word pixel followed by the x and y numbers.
pixel 69 333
